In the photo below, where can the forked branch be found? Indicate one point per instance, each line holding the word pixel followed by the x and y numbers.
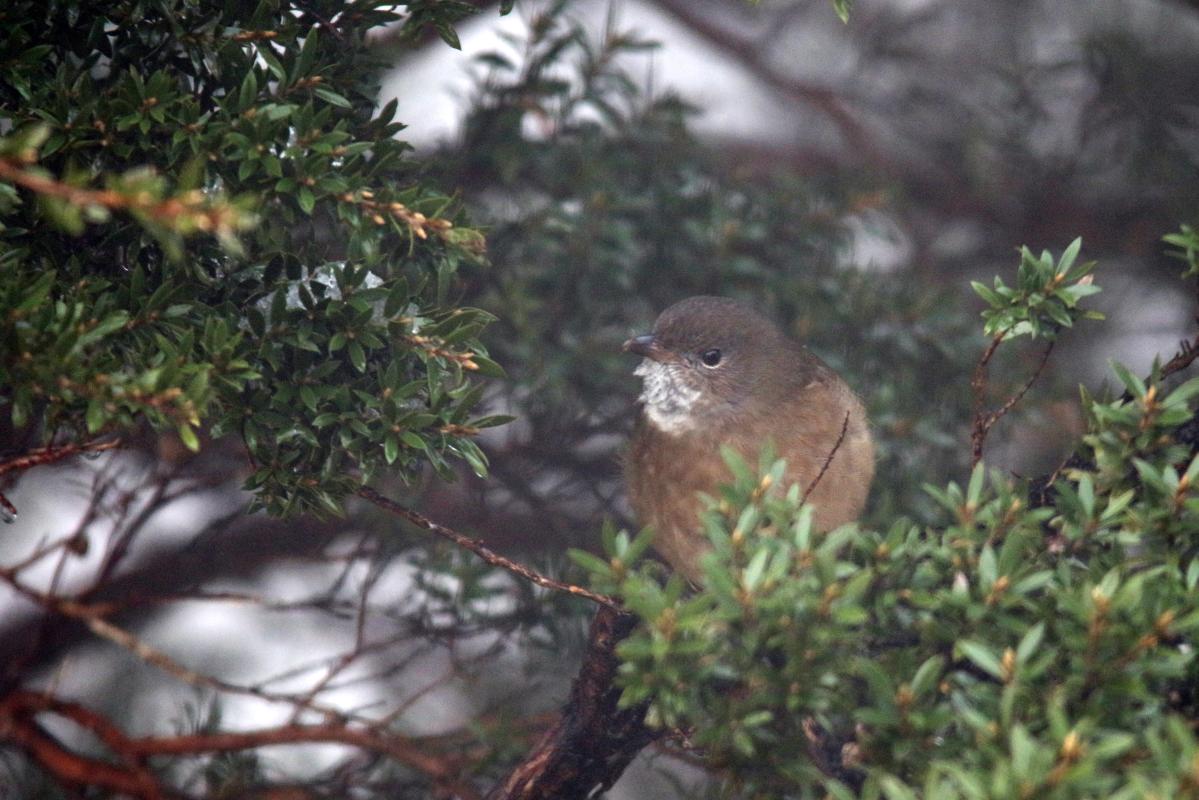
pixel 985 420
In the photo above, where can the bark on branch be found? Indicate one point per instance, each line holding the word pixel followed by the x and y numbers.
pixel 593 742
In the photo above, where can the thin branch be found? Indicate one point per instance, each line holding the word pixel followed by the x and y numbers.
pixel 1187 353
pixel 17 725
pixel 1011 402
pixel 48 455
pixel 985 420
pixel 74 769
pixel 828 460
pixel 482 551
pixel 754 58
pixel 978 386
pixel 20 704
pixel 92 617
pixel 188 211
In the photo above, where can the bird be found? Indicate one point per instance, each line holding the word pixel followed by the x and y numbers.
pixel 715 372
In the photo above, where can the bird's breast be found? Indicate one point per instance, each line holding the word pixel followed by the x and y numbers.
pixel 665 473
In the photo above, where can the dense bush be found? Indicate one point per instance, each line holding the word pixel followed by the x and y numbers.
pixel 209 231
pixel 1035 642
pixel 223 232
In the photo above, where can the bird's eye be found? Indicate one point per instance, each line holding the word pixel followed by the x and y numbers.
pixel 711 358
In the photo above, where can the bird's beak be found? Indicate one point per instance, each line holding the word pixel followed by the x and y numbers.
pixel 646 346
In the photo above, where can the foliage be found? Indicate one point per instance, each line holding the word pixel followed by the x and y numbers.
pixel 1008 650
pixel 604 208
pixel 327 336
pixel 1045 296
pixel 207 227
pixel 1187 243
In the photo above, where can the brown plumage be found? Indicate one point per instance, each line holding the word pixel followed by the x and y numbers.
pixel 715 372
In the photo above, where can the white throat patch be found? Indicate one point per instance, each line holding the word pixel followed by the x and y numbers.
pixel 669 400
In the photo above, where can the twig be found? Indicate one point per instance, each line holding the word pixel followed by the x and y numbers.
pixel 978 386
pixel 985 420
pixel 828 459
pixel 70 767
pixel 1187 353
pixel 755 58
pixel 20 704
pixel 350 656
pixel 93 617
pixel 190 207
pixel 48 455
pixel 482 551
pixel 335 729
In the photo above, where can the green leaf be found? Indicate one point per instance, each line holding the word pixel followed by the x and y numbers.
pixel 1030 642
pixel 977 478
pixel 307 57
pixel 592 563
pixel 981 656
pixel 306 199
pixel 1182 393
pixel 448 35
pixel 357 356
pixel 988 569
pixel 95 415
pixel 37 292
pixel 330 96
pixel 249 91
pixel 753 572
pixel 1023 748
pixel 308 396
pixel 895 789
pixel 1070 254
pixel 1135 386
pixel 188 436
pixel 986 293
pixel 926 676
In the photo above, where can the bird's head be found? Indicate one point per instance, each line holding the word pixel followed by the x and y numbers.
pixel 707 360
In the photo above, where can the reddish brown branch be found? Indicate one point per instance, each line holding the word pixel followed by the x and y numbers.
pixel 191 207
pixel 828 460
pixel 48 455
pixel 18 708
pixel 482 551
pixel 15 172
pixel 1187 353
pixel 593 742
pixel 92 615
pixel 985 420
pixel 18 727
pixel 978 385
pixel 402 750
